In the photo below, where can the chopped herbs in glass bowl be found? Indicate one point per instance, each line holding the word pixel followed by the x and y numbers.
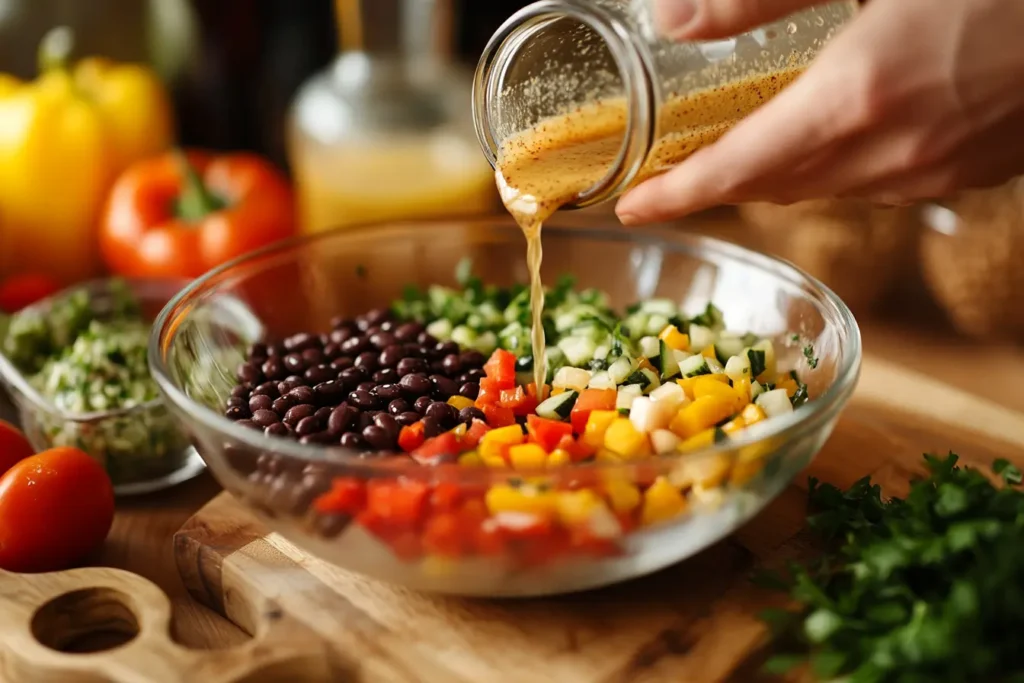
pixel 75 367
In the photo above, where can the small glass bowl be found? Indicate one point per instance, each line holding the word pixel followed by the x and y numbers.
pixel 110 436
pixel 298 286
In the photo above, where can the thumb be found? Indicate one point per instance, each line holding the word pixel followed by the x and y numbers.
pixel 713 19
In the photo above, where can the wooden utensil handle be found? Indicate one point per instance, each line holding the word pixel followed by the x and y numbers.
pixel 46 618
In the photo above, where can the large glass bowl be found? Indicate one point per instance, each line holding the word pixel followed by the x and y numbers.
pixel 201 336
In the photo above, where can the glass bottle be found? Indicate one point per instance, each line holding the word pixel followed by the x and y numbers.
pixel 384 133
pixel 555 56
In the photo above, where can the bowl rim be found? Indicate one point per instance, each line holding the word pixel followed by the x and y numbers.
pixel 801 421
pixel 15 380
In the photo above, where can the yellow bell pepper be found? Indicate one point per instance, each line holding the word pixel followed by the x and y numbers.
pixel 63 139
pixel 662 502
pixel 674 339
pixel 623 439
pixel 704 413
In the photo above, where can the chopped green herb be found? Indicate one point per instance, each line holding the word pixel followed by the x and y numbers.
pixel 812 361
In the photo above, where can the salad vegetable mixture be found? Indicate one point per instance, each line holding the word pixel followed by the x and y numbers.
pixel 86 355
pixel 444 377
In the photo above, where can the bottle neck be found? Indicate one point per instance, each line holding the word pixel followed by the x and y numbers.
pixel 408 30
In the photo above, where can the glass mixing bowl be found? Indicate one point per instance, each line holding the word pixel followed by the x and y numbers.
pixel 202 335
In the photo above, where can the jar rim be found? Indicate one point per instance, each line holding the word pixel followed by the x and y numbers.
pixel 631 59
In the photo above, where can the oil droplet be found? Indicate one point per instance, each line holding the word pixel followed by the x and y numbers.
pixel 791 28
pixel 819 20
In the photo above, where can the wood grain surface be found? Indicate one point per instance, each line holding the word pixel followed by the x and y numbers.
pixel 695 621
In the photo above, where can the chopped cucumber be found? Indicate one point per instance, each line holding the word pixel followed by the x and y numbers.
pixel 649 347
pixel 652 379
pixel 766 346
pixel 624 399
pixel 558 407
pixel 663 441
pixel 726 347
pixel 714 366
pixel 756 389
pixel 638 378
pixel 442 329
pixel 571 378
pixel 620 370
pixel 601 380
pixel 577 350
pixel 670 394
pixel 756 358
pixel 663 307
pixel 647 415
pixel 669 366
pixel 738 367
pixel 701 337
pixel 601 352
pixel 463 336
pixel 775 402
pixel 693 366
pixel 655 324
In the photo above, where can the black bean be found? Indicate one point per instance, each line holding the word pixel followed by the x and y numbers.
pixel 452 364
pixel 407 418
pixel 470 390
pixel 376 316
pixel 299 412
pixel 388 392
pixel 390 356
pixel 382 419
pixel 249 373
pixel 436 367
pixel 379 438
pixel 329 393
pixel 236 401
pixel 420 405
pixel 331 351
pixel 340 336
pixel 430 352
pixel 386 376
pixel 445 414
pixel 278 429
pixel 318 438
pixel 354 346
pixel 248 423
pixel 294 363
pixel 425 338
pixel 350 378
pixel 444 387
pixel 367 386
pixel 330 526
pixel 340 322
pixel 257 351
pixel 410 366
pixel 289 383
pixel 352 440
pixel 265 418
pixel 240 392
pixel 415 385
pixel 274 369
pixel 472 359
pixel 307 425
pixel 341 363
pixel 342 418
pixel 474 375
pixel 431 427
pixel 399 406
pixel 367 360
pixel 319 373
pixel 281 405
pixel 469 413
pixel 260 402
pixel 323 413
pixel 382 340
pixel 313 357
pixel 267 389
pixel 366 419
pixel 360 398
pixel 301 394
pixel 408 332
pixel 237 413
pixel 447 347
pixel 301 342
pixel 275 350
pixel 411 349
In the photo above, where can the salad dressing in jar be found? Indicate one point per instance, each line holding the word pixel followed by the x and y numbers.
pixel 575 102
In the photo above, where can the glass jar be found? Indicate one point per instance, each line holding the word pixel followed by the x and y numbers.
pixel 384 133
pixel 555 56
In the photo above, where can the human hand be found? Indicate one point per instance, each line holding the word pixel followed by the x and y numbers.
pixel 910 101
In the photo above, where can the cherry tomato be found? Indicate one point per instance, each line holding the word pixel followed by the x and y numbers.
pixel 19 291
pixel 55 508
pixel 14 447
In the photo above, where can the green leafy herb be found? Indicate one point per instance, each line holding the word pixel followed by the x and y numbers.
pixel 812 361
pixel 929 588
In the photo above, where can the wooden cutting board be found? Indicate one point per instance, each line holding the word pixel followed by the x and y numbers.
pixel 695 621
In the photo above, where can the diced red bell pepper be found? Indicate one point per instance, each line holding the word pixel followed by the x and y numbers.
pixel 501 367
pixel 411 437
pixel 443 535
pixel 547 433
pixel 346 496
pixel 518 401
pixel 445 497
pixel 438 449
pixel 498 417
pixel 475 432
pixel 590 400
pixel 398 502
pixel 490 392
pixel 531 390
pixel 577 450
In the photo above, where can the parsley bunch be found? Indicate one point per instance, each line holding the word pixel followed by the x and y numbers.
pixel 926 589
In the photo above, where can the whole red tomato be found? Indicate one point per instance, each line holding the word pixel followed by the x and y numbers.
pixel 19 291
pixel 13 446
pixel 55 508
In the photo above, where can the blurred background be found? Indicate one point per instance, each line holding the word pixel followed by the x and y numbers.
pixel 363 104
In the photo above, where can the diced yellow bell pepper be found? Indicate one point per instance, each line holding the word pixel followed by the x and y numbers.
pixel 688 382
pixel 597 425
pixel 557 390
pixel 460 402
pixel 511 435
pixel 662 502
pixel 788 384
pixel 674 339
pixel 707 471
pixel 623 496
pixel 492 460
pixel 706 386
pixel 702 439
pixel 625 440
pixel 752 414
pixel 527 456
pixel 645 363
pixel 743 472
pixel 742 387
pixel 576 508
pixel 470 459
pixel 605 455
pixel 460 430
pixel 734 425
pixel 709 352
pixel 558 458
pixel 504 498
pixel 704 412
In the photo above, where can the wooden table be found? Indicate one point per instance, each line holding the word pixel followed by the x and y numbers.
pixel 141 538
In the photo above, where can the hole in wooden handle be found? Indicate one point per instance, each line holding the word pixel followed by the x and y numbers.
pixel 86 620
